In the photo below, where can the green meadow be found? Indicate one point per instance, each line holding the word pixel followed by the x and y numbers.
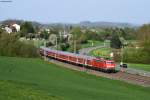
pixel 34 79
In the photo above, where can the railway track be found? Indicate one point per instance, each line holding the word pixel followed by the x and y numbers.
pixel 123 76
pixel 133 78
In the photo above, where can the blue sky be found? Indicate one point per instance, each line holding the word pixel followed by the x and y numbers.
pixel 47 11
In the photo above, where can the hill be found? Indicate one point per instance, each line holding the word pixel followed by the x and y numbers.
pixel 81 24
pixel 60 83
pixel 12 90
pixel 9 21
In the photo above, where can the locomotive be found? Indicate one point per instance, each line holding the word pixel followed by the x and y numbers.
pixel 88 61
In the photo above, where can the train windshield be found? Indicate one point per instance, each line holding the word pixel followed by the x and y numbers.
pixel 110 62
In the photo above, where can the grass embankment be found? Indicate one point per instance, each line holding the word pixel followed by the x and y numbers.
pixel 52 81
pixel 145 67
pixel 132 54
pixel 12 90
pixel 102 52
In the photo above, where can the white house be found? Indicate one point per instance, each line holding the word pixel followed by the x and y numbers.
pixel 17 27
pixel 12 28
pixel 8 30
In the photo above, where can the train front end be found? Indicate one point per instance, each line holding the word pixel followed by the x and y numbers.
pixel 110 65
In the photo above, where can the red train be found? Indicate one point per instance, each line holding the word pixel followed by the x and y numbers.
pixel 91 62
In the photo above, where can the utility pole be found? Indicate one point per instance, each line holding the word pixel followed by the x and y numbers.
pixel 56 47
pixel 75 44
pixel 45 51
pixel 56 43
pixel 121 56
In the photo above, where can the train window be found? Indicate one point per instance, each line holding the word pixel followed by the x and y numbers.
pixel 98 60
pixel 109 62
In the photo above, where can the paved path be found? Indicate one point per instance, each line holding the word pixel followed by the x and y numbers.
pixel 138 72
pixel 86 51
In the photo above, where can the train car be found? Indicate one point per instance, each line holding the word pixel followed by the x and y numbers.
pixel 92 62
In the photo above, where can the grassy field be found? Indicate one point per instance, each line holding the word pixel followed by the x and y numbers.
pixel 89 44
pixel 12 90
pixel 21 78
pixel 102 52
pixel 145 67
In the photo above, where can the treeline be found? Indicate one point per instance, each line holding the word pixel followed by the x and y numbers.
pixel 30 31
pixel 11 46
pixel 141 54
pixel 82 35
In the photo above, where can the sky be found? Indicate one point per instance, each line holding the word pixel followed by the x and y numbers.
pixel 74 11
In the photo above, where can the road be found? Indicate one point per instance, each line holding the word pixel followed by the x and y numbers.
pixel 138 72
pixel 86 51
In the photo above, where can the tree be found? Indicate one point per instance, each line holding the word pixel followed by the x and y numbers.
pixel 82 39
pixel 1 31
pixel 53 39
pixel 142 54
pixel 115 41
pixel 46 34
pixel 144 33
pixel 64 46
pixel 76 31
pixel 26 28
pixel 144 37
pixel 11 46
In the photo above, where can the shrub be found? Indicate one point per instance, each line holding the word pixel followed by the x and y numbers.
pixel 136 56
pixel 11 46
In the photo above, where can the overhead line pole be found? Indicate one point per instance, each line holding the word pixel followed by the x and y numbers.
pixel 75 44
pixel 45 51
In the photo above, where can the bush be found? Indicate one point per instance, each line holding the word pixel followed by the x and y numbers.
pixel 64 46
pixel 11 46
pixel 132 55
pixel 117 55
pixel 136 56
